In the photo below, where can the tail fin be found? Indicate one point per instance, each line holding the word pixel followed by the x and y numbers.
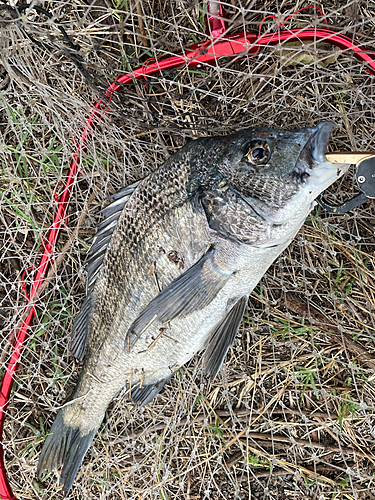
pixel 64 446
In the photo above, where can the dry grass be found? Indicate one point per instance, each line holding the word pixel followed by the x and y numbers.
pixel 291 413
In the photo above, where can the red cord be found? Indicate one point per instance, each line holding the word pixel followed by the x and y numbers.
pixel 199 54
pixel 315 7
pixel 282 24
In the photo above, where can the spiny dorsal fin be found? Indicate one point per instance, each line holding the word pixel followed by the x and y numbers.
pixel 94 261
pixel 104 233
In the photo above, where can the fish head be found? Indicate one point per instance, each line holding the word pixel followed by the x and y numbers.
pixel 279 172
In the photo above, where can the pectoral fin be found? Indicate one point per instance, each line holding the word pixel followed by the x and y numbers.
pixel 190 292
pixel 222 338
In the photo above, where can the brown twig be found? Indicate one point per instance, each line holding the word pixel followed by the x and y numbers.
pixel 278 442
pixel 275 473
pixel 296 305
pixel 142 37
pixel 242 414
pixel 4 83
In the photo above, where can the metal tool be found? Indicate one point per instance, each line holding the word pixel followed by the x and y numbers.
pixel 365 177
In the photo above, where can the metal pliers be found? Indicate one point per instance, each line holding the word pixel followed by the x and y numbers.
pixel 365 177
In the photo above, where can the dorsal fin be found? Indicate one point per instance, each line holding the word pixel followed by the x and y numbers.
pixel 94 261
pixel 104 233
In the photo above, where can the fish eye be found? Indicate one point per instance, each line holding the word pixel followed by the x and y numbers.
pixel 259 153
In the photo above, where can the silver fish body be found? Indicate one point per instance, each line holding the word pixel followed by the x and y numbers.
pixel 173 264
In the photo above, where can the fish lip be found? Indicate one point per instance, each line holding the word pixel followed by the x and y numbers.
pixel 319 140
pixel 312 155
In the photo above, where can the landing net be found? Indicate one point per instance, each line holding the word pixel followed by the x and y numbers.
pixel 291 413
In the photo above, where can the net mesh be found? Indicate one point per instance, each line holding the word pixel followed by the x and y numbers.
pixel 290 414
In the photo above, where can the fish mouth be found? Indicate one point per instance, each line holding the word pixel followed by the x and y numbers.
pixel 318 142
pixel 312 157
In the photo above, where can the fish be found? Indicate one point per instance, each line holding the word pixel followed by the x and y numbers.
pixel 172 265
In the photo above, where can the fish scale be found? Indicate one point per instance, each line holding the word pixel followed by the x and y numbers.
pixel 173 264
pixel 143 211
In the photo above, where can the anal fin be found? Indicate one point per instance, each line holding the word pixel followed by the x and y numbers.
pixel 144 394
pixel 222 338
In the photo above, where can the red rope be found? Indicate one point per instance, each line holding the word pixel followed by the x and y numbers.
pixel 282 23
pixel 199 54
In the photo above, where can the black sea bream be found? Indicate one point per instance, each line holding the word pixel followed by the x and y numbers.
pixel 173 264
